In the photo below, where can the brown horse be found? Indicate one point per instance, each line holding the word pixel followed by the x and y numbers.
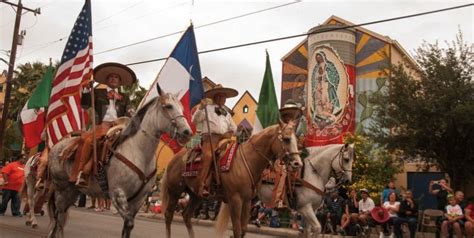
pixel 238 184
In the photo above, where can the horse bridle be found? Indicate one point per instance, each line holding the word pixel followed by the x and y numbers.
pixel 167 114
pixel 286 153
pixel 341 165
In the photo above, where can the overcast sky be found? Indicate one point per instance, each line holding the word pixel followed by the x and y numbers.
pixel 118 22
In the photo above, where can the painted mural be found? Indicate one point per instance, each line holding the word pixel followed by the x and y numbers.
pixel 372 57
pixel 295 74
pixel 330 98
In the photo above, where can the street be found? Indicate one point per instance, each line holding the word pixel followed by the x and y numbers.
pixel 86 223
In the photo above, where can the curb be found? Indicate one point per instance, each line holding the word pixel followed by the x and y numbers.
pixel 279 232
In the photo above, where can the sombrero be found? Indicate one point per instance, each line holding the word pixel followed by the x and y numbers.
pixel 228 92
pixel 380 214
pixel 126 75
pixel 291 107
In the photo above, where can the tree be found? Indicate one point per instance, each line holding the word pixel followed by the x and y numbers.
pixel 135 93
pixel 431 119
pixel 373 166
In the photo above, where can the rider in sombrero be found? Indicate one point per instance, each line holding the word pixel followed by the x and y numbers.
pixel 221 126
pixel 109 104
pixel 290 111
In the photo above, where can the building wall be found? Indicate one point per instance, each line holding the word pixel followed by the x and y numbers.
pixel 239 114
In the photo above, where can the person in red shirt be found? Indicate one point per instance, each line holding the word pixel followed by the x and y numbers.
pixel 469 212
pixel 13 175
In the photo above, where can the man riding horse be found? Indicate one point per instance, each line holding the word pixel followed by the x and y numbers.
pixel 109 104
pixel 290 111
pixel 217 124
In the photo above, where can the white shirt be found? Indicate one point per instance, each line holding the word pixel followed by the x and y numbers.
pixel 387 205
pixel 111 113
pixel 366 206
pixel 218 124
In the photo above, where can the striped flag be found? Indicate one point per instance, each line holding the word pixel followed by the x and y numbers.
pixel 33 113
pixel 64 112
pixel 181 74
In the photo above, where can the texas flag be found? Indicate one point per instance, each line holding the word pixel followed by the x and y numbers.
pixel 181 75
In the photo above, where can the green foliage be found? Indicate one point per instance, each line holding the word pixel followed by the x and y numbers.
pixel 13 140
pixel 431 118
pixel 136 94
pixel 373 166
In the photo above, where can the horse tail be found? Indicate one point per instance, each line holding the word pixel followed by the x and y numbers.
pixel 164 196
pixel 222 220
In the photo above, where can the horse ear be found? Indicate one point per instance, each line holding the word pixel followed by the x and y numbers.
pixel 158 88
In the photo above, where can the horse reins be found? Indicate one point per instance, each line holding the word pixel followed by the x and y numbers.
pixel 252 179
pixel 145 179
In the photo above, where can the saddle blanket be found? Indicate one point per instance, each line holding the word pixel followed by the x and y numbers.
pixel 192 168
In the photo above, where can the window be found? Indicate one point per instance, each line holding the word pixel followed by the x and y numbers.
pixel 245 109
pixel 243 134
pixel 1 87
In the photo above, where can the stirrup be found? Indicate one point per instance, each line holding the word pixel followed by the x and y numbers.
pixel 39 184
pixel 80 181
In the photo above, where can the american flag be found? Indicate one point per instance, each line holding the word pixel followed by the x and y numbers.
pixel 64 111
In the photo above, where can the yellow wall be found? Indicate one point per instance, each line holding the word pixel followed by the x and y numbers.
pixel 239 114
pixel 163 156
pixel 398 57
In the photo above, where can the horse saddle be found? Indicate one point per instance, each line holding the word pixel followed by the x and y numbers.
pixel 225 153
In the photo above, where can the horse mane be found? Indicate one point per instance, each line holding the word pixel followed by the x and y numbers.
pixel 134 124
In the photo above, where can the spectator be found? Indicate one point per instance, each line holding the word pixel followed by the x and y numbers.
pixel 389 189
pixel 453 218
pixel 392 206
pixel 408 213
pixel 441 192
pixel 366 204
pixel 263 213
pixel 459 196
pixel 13 177
pixel 469 216
pixel 334 209
pixel 351 215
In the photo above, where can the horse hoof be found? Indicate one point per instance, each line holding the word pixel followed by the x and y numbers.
pixel 28 223
pixel 34 226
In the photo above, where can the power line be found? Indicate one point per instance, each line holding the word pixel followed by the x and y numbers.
pixel 319 31
pixel 205 25
pixel 115 14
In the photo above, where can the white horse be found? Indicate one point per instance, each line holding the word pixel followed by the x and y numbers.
pixel 318 166
pixel 131 169
pixel 32 195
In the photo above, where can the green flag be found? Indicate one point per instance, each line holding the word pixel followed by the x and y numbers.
pixel 40 97
pixel 267 108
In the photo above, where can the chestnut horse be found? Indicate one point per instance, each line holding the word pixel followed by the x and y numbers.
pixel 238 184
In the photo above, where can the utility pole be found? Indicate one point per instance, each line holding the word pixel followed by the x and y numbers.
pixel 11 64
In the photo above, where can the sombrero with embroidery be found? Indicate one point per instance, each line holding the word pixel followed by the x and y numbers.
pixel 380 214
pixel 228 92
pixel 291 107
pixel 127 76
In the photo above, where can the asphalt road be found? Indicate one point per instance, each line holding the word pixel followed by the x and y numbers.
pixel 87 223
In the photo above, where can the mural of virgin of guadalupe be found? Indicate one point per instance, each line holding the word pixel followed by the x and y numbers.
pixel 325 80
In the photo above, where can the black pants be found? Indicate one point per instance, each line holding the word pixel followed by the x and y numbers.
pixel 16 202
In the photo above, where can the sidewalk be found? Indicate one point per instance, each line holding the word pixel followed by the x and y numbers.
pixel 277 232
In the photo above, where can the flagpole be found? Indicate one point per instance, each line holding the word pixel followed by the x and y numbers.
pixel 94 140
pixel 216 168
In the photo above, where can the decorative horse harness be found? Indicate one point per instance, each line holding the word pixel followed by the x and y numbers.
pixel 286 154
pixel 111 147
pixel 343 171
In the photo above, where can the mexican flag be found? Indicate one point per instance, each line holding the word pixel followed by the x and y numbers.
pixel 267 108
pixel 33 113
